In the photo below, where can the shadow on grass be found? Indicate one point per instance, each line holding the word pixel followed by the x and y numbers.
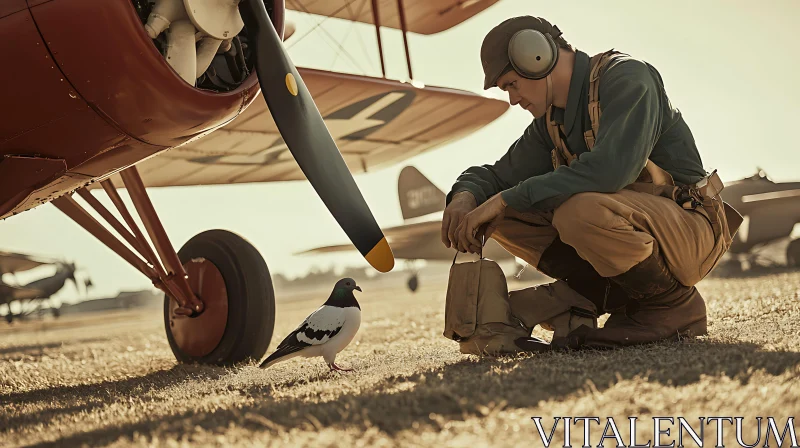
pixel 454 392
pixel 62 400
pixel 16 351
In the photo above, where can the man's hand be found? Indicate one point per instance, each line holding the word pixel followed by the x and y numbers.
pixel 462 203
pixel 466 232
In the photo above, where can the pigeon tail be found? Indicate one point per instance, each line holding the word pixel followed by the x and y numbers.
pixel 277 357
pixel 281 354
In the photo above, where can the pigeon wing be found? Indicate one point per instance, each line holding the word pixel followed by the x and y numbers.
pixel 318 328
pixel 323 324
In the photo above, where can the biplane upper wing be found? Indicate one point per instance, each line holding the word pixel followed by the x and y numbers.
pixel 376 122
pixel 11 262
pixel 422 16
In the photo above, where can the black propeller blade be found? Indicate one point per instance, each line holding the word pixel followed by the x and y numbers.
pixel 309 140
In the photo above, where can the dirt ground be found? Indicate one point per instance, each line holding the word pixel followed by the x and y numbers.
pixel 110 379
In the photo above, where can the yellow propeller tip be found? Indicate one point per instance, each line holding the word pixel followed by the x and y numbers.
pixel 380 256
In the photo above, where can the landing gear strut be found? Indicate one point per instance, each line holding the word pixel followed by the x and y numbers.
pixel 219 305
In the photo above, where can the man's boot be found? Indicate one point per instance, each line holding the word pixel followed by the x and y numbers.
pixel 556 307
pixel 577 297
pixel 661 308
pixel 561 262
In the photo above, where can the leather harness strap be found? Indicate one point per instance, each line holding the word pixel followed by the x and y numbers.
pixel 652 179
pixel 561 154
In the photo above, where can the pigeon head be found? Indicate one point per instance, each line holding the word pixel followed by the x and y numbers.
pixel 347 284
pixel 342 294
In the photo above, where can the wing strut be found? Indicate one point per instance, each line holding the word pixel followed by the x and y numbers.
pixel 167 274
pixel 377 19
pixel 402 11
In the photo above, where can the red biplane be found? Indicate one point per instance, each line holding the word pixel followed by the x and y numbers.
pixel 148 93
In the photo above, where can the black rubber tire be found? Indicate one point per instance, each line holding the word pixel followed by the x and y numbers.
pixel 413 283
pixel 793 254
pixel 251 298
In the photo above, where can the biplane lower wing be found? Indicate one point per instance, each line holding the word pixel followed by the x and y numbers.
pixel 375 122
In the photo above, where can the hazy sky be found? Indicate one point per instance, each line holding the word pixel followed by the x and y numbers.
pixel 727 65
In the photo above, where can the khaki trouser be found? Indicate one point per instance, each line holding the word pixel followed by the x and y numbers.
pixel 616 231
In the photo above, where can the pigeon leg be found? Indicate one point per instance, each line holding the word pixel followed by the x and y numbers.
pixel 333 366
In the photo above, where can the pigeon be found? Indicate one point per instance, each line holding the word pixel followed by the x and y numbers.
pixel 326 331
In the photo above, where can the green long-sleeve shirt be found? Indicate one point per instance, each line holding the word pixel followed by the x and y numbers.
pixel 638 122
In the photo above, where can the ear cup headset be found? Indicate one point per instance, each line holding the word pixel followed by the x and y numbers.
pixel 533 55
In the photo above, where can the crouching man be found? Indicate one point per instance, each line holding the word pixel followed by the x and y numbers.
pixel 604 191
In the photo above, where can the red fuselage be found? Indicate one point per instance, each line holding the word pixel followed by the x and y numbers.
pixel 85 93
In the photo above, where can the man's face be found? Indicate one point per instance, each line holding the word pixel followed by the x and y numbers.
pixel 530 94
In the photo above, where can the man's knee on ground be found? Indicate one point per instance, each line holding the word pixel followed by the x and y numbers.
pixel 582 215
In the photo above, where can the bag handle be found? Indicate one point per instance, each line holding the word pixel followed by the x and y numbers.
pixel 483 242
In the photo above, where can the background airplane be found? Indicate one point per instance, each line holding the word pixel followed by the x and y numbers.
pixel 165 94
pixel 770 212
pixel 32 296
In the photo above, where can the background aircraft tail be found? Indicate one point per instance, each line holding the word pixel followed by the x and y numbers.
pixel 418 196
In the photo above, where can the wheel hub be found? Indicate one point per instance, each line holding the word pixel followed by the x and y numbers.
pixel 200 335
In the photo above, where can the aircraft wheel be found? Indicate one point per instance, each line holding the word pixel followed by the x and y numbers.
pixel 231 278
pixel 413 283
pixel 793 254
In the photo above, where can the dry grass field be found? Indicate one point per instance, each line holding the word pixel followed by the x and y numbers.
pixel 110 379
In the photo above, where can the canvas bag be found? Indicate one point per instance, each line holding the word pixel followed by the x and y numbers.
pixel 477 311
